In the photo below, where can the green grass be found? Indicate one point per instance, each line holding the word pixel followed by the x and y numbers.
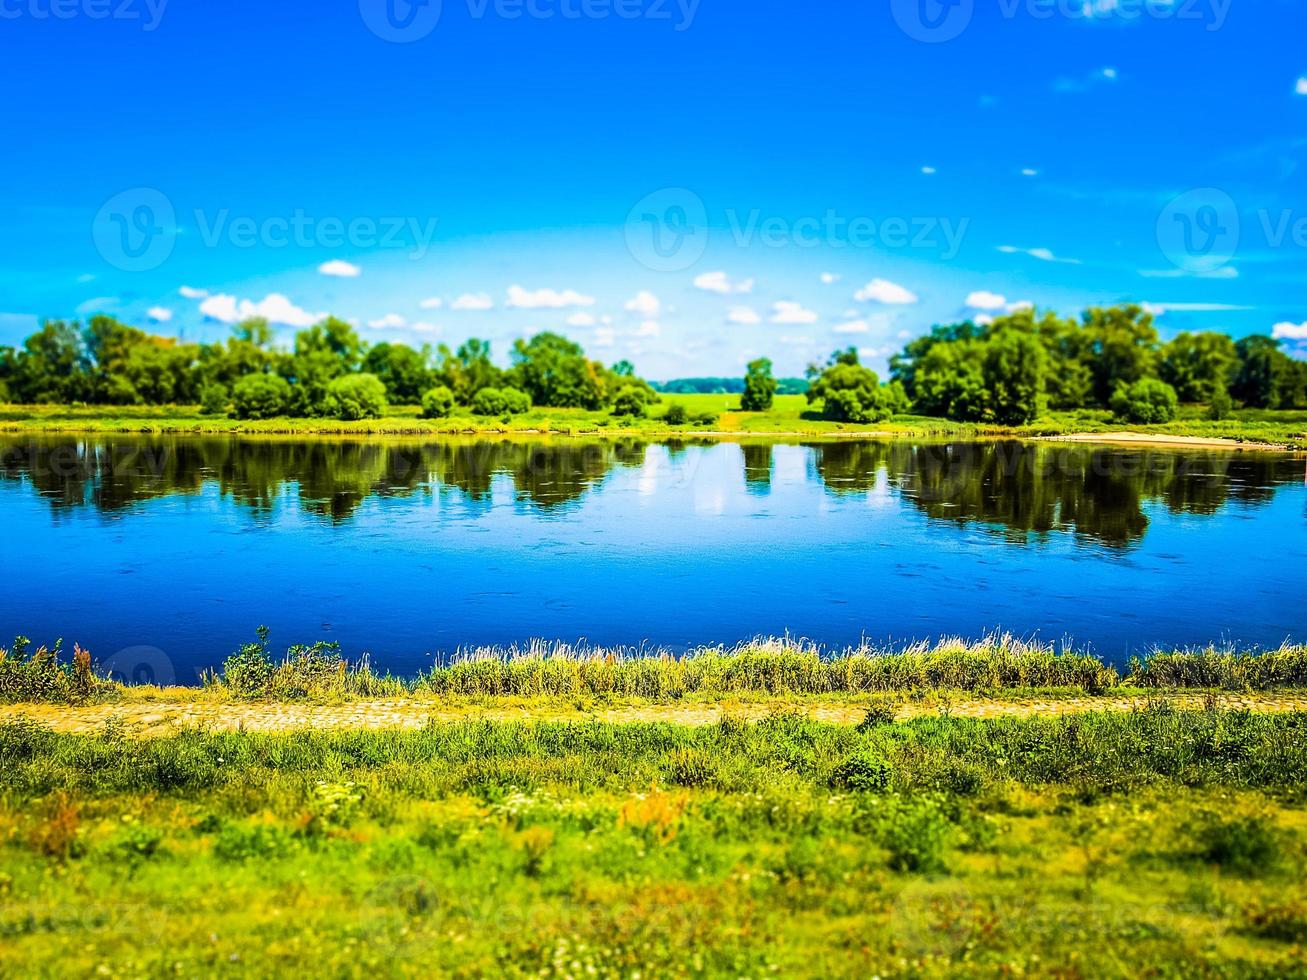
pixel 993 665
pixel 791 415
pixel 1155 843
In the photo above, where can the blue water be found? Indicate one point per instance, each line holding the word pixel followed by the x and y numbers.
pixel 175 550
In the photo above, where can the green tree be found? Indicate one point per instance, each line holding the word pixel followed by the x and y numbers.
pixel 1265 373
pixel 355 396
pixel 850 392
pixel 404 371
pixel 1198 365
pixel 1123 343
pixel 1148 401
pixel 1014 369
pixel 438 403
pixel 759 386
pixel 554 371
pixel 260 396
pixel 501 401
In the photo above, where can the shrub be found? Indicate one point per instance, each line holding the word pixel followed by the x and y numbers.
pixel 705 419
pixel 355 396
pixel 438 403
pixel 236 843
pixel 862 773
pixel 1220 406
pixel 214 399
pixel 915 833
pixel 248 671
pixel 260 396
pixel 500 401
pixel 883 710
pixel 42 676
pixel 1146 402
pixel 630 401
pixel 676 415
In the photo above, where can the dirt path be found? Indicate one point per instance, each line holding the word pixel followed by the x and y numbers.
pixel 1164 439
pixel 165 718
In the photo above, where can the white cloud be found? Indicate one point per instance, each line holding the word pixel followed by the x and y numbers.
pixel 928 171
pixel 431 303
pixel 1029 172
pixel 787 311
pixel 159 314
pixel 85 277
pixel 649 328
pixel 603 337
pixel 1224 272
pixel 1289 331
pixel 473 301
pixel 580 320
pixel 645 303
pixel 340 269
pixel 528 299
pixel 1301 87
pixel 1042 254
pixel 853 326
pixel 391 321
pixel 982 299
pixel 423 327
pixel 1102 76
pixel 190 292
pixel 884 291
pixel 830 277
pixel 97 305
pixel 745 315
pixel 1160 309
pixel 795 340
pixel 983 320
pixel 717 282
pixel 275 308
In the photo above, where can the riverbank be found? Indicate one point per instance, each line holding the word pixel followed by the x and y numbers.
pixel 790 417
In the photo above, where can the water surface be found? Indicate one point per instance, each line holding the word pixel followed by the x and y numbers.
pixel 175 549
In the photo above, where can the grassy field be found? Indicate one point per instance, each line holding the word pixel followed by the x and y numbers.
pixel 1155 842
pixel 791 415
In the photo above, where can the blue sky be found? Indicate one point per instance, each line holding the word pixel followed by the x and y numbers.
pixel 817 175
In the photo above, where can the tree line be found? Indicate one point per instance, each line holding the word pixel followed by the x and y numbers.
pixel 1008 371
pixel 329 371
pixel 1011 370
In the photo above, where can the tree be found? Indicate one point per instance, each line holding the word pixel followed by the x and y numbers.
pixel 438 403
pixel 630 400
pixel 355 396
pixel 949 381
pixel 1123 344
pixel 404 371
pixel 759 386
pixel 554 371
pixel 1265 373
pixel 1198 365
pixel 501 401
pixel 850 392
pixel 1147 401
pixel 260 396
pixel 1015 364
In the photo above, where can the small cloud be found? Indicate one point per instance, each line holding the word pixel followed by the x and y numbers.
pixel 795 340
pixel 1301 87
pixel 85 277
pixel 717 282
pixel 928 171
pixel 431 303
pixel 340 269
pixel 1224 272
pixel 1289 331
pixel 829 277
pixel 982 299
pixel 1029 172
pixel 745 315
pixel 649 328
pixel 190 292
pixel 853 326
pixel 159 314
pixel 788 312
pixel 884 291
pixel 391 321
pixel 1160 309
pixel 604 337
pixel 580 320
pixel 275 308
pixel 645 303
pixel 423 327
pixel 527 299
pixel 473 301
pixel 1042 254
pixel 1101 76
pixel 97 305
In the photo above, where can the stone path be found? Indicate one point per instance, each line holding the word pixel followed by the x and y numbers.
pixel 147 719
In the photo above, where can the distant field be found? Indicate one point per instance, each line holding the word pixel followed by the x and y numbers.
pixel 790 415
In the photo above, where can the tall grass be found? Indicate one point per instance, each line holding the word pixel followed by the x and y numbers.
pixel 767 666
